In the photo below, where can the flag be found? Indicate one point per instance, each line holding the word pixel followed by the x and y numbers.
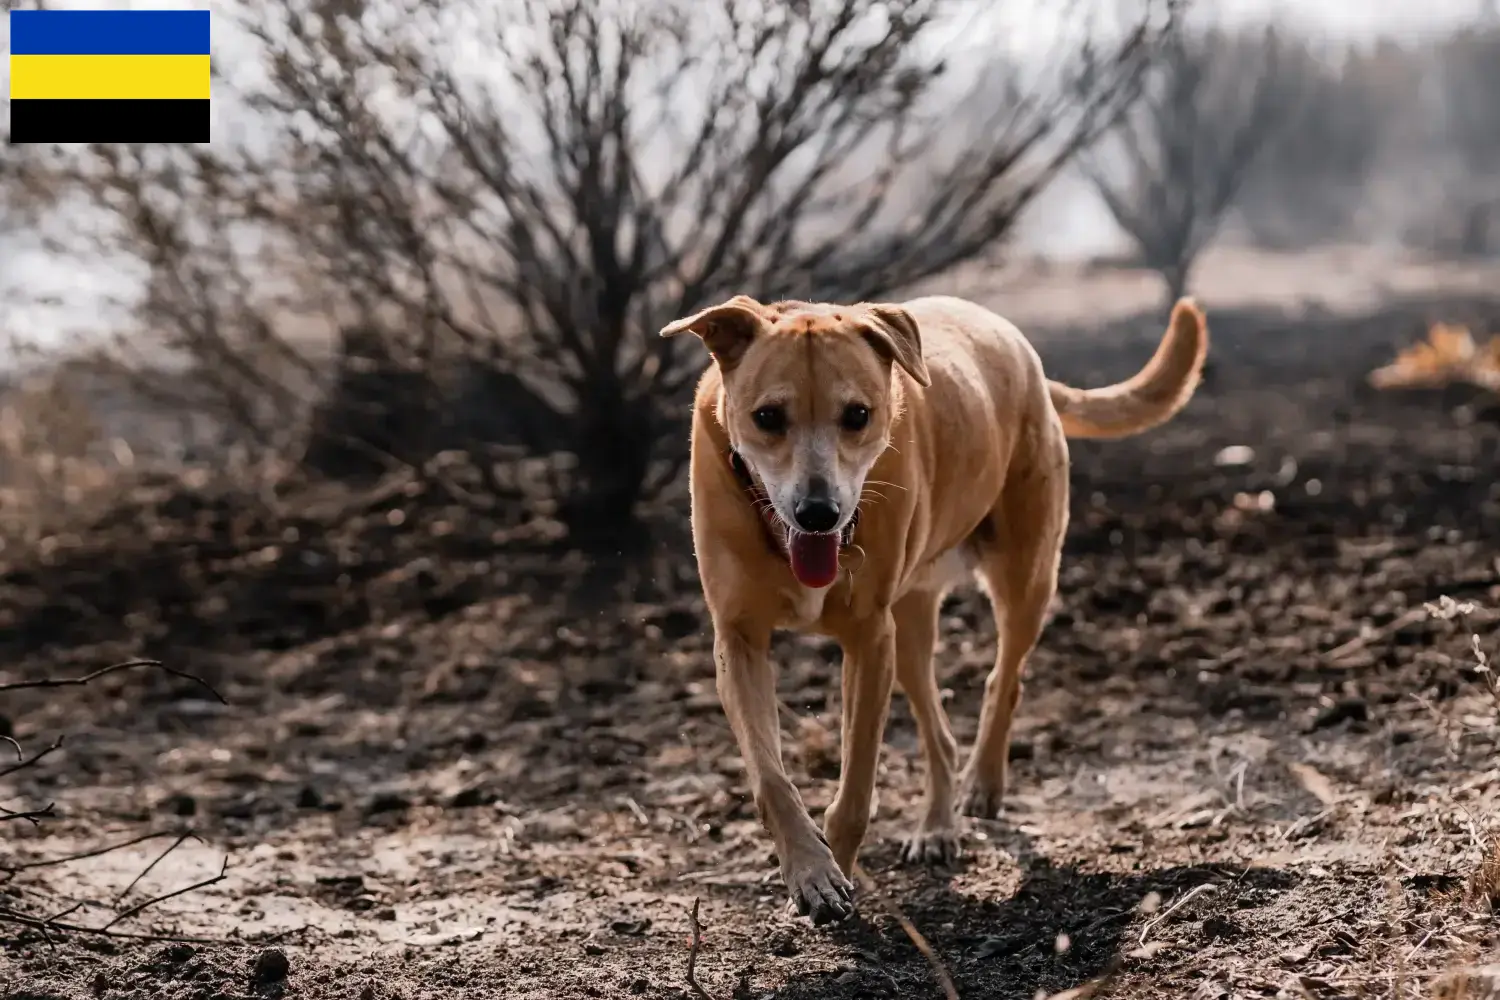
pixel 109 76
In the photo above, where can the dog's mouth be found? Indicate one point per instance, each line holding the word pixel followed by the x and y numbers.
pixel 814 558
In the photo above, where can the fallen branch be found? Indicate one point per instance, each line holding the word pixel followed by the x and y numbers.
pixel 57 682
pixel 159 858
pixel 97 851
pixel 32 816
pixel 137 908
pixel 1186 898
pixel 28 761
pixel 44 925
pixel 55 922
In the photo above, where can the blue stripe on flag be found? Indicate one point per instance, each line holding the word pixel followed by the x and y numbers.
pixel 109 33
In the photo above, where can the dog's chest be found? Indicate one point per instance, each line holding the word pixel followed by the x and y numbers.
pixel 802 607
pixel 951 569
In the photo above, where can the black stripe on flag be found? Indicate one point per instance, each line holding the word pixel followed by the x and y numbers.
pixel 109 121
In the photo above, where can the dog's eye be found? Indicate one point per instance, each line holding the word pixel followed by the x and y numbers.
pixel 771 419
pixel 855 417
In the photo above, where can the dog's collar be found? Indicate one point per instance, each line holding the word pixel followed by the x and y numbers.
pixel 775 530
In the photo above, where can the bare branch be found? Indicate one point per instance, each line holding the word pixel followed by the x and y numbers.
pixel 606 166
pixel 57 682
pixel 181 839
pixel 32 816
pixel 8 916
pixel 142 906
pixel 99 851
pixel 29 761
pixel 1174 164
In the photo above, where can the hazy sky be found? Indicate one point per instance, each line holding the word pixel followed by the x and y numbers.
pixel 1359 18
pixel 1072 223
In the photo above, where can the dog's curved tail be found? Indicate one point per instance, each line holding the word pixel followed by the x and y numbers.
pixel 1149 398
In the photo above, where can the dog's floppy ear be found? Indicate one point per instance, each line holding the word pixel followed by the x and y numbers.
pixel 725 329
pixel 893 333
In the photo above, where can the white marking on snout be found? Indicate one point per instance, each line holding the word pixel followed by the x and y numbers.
pixel 815 454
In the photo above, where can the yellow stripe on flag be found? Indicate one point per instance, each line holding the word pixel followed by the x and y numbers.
pixel 116 77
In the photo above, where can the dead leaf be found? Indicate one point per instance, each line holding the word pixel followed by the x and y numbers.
pixel 1296 955
pixel 1316 783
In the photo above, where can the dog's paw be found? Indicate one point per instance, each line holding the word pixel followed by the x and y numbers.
pixel 820 891
pixel 981 797
pixel 931 847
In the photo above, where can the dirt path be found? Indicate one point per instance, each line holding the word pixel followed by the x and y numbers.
pixel 1239 711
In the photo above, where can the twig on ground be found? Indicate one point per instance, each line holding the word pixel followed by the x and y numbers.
pixel 1183 901
pixel 97 851
pixel 43 924
pixel 933 959
pixel 188 835
pixel 57 682
pixel 46 925
pixel 31 816
pixel 54 918
pixel 1410 617
pixel 55 923
pixel 28 761
pixel 137 908
pixel 68 912
pixel 692 967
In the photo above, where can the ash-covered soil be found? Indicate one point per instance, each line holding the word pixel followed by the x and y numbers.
pixel 457 763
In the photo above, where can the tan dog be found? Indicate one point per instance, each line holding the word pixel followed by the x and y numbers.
pixel 850 465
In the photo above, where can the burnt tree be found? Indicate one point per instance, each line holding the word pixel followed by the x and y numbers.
pixel 1170 170
pixel 532 189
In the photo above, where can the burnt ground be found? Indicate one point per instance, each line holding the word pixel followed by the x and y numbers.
pixel 451 764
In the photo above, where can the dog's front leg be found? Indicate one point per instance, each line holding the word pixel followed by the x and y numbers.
pixel 869 671
pixel 747 688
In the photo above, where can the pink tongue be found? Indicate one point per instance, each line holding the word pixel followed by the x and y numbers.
pixel 815 559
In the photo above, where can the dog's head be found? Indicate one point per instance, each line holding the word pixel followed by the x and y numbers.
pixel 809 397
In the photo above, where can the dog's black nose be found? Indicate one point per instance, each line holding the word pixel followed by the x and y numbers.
pixel 816 514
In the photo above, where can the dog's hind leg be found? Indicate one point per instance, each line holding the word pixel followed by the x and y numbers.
pixel 1018 561
pixel 936 837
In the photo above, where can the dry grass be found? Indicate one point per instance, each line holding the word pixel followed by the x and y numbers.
pixel 1477 903
pixel 1449 354
pixel 73 444
pixel 54 459
pixel 1483 890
